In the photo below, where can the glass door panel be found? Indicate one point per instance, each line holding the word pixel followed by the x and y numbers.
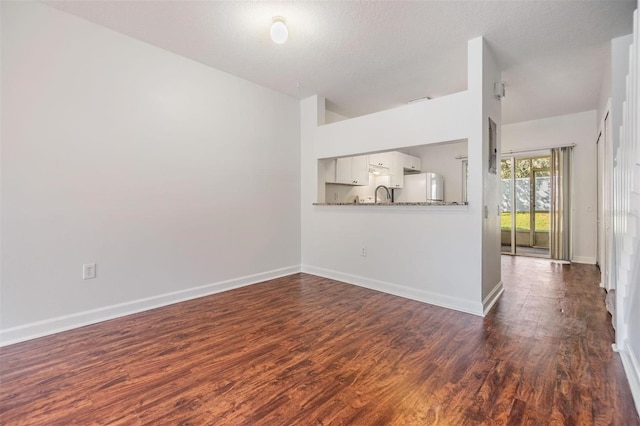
pixel 526 206
pixel 542 211
pixel 522 206
pixel 506 216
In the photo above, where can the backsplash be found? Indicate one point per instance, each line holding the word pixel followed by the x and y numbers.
pixel 335 193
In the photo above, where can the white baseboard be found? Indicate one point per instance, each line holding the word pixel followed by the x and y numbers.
pixel 424 296
pixel 631 365
pixel 584 259
pixel 55 325
pixel 492 298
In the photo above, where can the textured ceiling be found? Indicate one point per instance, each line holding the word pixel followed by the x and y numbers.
pixel 368 56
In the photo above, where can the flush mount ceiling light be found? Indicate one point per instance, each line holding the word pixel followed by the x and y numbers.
pixel 279 32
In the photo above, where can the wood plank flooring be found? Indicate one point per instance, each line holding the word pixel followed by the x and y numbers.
pixel 308 350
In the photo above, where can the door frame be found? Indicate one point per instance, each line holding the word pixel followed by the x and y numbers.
pixel 512 189
pixel 512 158
pixel 603 216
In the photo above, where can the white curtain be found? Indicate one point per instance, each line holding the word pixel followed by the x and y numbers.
pixel 560 244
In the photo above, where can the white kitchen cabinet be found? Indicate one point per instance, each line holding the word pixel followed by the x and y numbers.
pixel 352 170
pixel 396 171
pixel 409 162
pixel 360 170
pixel 382 159
pixel 329 170
pixel 343 170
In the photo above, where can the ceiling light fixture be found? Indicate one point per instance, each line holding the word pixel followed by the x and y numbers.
pixel 279 32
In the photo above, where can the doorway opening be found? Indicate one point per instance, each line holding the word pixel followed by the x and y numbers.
pixel 526 205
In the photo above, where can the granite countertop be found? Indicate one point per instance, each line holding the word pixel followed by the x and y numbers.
pixel 432 203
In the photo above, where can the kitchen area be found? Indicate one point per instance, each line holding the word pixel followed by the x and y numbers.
pixel 446 252
pixel 425 175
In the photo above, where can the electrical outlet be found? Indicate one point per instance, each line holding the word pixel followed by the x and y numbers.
pixel 88 271
pixel 363 251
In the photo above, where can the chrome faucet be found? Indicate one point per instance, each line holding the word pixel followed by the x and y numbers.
pixel 376 193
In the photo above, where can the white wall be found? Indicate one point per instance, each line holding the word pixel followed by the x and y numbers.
pixel 434 121
pixel 333 117
pixel 619 71
pixel 491 230
pixel 605 91
pixel 484 186
pixel 176 179
pixel 405 246
pixel 432 254
pixel 581 129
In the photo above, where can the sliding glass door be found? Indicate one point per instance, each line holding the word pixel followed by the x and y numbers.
pixel 526 205
pixel 507 216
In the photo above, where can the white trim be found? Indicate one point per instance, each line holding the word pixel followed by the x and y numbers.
pixel 632 370
pixel 543 150
pixel 424 296
pixel 67 322
pixel 492 298
pixel 584 259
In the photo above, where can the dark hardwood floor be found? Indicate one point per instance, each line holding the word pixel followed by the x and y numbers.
pixel 307 350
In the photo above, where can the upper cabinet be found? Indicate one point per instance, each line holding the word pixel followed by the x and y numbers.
pixel 388 160
pixel 396 173
pixel 382 159
pixel 352 170
pixel 355 170
pixel 399 164
pixel 329 166
pixel 411 163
